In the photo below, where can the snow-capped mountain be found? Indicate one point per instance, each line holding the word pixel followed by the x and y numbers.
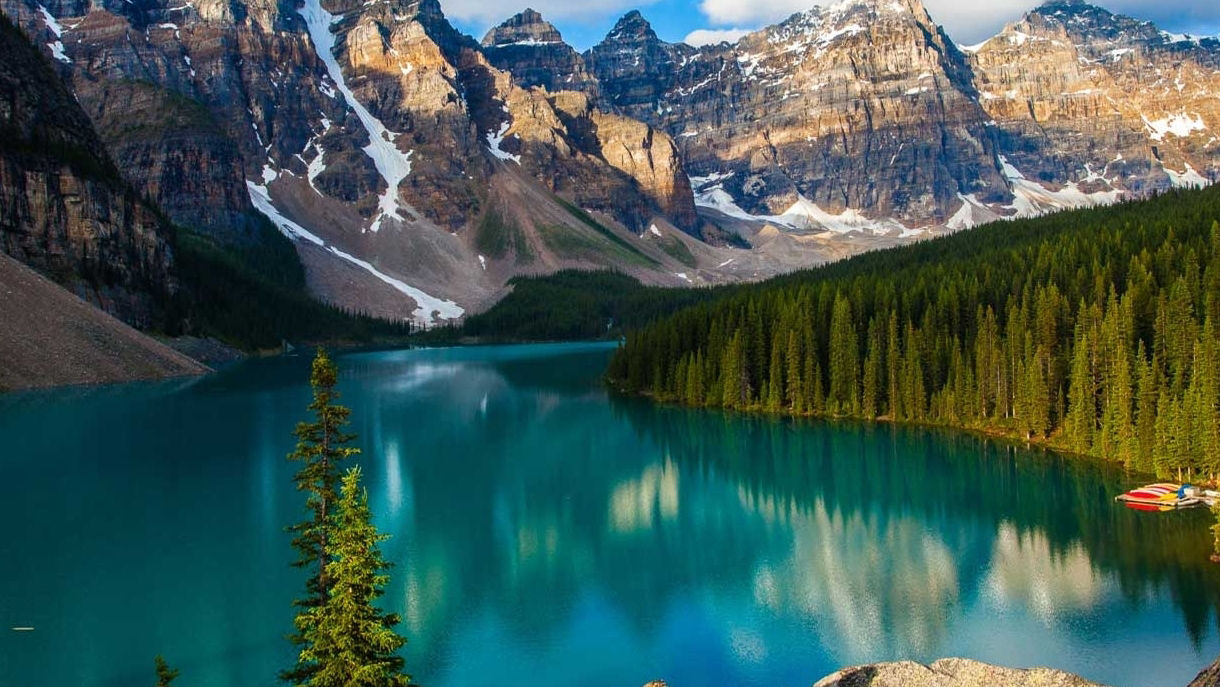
pixel 418 169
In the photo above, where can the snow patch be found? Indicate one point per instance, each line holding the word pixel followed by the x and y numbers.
pixel 316 166
pixel 495 139
pixel 803 214
pixel 483 262
pixel 56 46
pixel 260 197
pixel 1187 179
pixel 964 217
pixel 1032 199
pixel 392 164
pixel 428 308
pixel 1180 125
pixel 527 42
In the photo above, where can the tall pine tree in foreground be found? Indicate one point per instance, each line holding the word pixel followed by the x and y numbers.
pixel 349 640
pixel 321 445
pixel 165 674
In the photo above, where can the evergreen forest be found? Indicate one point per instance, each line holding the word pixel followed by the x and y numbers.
pixel 1095 331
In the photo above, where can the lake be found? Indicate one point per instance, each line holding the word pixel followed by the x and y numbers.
pixel 546 533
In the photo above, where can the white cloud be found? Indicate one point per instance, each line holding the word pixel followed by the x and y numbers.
pixel 971 21
pixel 965 20
pixel 700 37
pixel 724 12
pixel 491 13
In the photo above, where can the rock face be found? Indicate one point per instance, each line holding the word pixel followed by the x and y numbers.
pixel 531 49
pixel 1101 101
pixel 373 133
pixel 66 211
pixel 1208 677
pixel 864 105
pixel 419 170
pixel 949 672
pixel 865 110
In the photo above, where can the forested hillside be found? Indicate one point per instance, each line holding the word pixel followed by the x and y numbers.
pixel 1097 331
pixel 574 305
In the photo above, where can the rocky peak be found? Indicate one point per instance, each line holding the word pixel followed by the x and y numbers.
pixel 526 28
pixel 634 66
pixel 1085 23
pixel 631 28
pixel 531 49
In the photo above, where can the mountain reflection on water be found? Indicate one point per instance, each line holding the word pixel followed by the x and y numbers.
pixel 546 533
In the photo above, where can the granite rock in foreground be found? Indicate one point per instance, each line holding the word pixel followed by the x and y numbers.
pixel 949 672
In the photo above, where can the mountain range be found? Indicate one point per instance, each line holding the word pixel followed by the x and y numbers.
pixel 418 170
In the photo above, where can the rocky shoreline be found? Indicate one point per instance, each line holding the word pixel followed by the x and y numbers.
pixel 964 672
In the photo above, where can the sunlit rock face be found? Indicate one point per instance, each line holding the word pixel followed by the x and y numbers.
pixel 337 120
pixel 851 126
pixel 1101 102
pixel 865 106
pixel 860 105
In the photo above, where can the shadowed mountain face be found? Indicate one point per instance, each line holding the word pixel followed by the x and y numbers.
pixel 66 210
pixel 419 170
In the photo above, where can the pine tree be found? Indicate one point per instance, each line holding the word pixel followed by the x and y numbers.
pixel 893 359
pixel 874 370
pixel 775 379
pixel 165 674
pixel 733 379
pixel 348 638
pixel 796 387
pixel 321 446
pixel 844 394
pixel 694 381
pixel 1147 389
pixel 1081 420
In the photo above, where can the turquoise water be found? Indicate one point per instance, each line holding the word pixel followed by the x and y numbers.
pixel 547 534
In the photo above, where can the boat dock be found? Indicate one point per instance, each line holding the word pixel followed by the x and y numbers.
pixel 1167 496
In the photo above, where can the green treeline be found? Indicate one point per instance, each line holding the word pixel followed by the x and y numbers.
pixel 578 305
pixel 254 296
pixel 1096 331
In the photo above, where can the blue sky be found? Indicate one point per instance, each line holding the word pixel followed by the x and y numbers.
pixel 585 22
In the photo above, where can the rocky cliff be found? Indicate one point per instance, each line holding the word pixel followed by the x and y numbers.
pixel 862 107
pixel 374 134
pixel 860 112
pixel 66 210
pixel 418 169
pixel 532 50
pixel 1091 102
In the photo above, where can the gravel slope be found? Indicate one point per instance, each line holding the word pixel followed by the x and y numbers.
pixel 49 337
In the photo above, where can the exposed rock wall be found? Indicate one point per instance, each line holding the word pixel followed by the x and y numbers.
pixel 1084 96
pixel 66 212
pixel 533 51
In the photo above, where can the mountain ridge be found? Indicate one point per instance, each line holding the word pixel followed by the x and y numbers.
pixel 843 128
